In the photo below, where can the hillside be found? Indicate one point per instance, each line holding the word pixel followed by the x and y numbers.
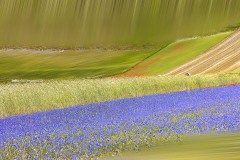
pixel 224 57
pixel 175 54
pixel 63 64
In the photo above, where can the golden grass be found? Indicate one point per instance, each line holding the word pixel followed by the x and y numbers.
pixel 28 98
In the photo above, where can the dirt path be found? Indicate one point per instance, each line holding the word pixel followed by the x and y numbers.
pixel 224 57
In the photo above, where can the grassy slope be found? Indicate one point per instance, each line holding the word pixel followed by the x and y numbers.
pixel 20 64
pixel 212 147
pixel 61 94
pixel 175 55
pixel 237 70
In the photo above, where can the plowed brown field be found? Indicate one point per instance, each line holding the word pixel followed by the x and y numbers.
pixel 224 57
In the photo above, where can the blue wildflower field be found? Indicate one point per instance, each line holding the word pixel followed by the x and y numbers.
pixel 93 130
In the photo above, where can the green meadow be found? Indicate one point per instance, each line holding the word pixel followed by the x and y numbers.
pixel 34 64
pixel 71 64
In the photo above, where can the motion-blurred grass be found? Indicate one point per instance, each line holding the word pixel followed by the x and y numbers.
pixel 34 64
pixel 72 24
pixel 33 97
pixel 208 147
pixel 176 54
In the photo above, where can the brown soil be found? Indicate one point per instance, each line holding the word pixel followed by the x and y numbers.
pixel 139 69
pixel 224 57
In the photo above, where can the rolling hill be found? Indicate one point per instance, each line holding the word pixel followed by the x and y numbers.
pixel 64 64
pixel 176 54
pixel 224 57
pixel 202 55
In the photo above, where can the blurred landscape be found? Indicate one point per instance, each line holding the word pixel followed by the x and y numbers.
pixel 87 38
pixel 115 24
pixel 119 79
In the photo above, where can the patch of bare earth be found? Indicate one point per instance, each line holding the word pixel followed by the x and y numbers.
pixel 139 70
pixel 224 57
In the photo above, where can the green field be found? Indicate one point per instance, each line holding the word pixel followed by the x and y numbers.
pixel 65 64
pixel 176 54
pixel 57 54
pixel 22 98
pixel 200 147
pixel 34 64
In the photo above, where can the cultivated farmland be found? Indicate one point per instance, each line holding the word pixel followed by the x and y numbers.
pixel 224 57
pixel 174 55
pixel 119 79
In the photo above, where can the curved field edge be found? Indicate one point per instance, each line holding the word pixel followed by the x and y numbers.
pixel 29 98
pixel 215 147
pixel 67 64
pixel 224 57
pixel 175 55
